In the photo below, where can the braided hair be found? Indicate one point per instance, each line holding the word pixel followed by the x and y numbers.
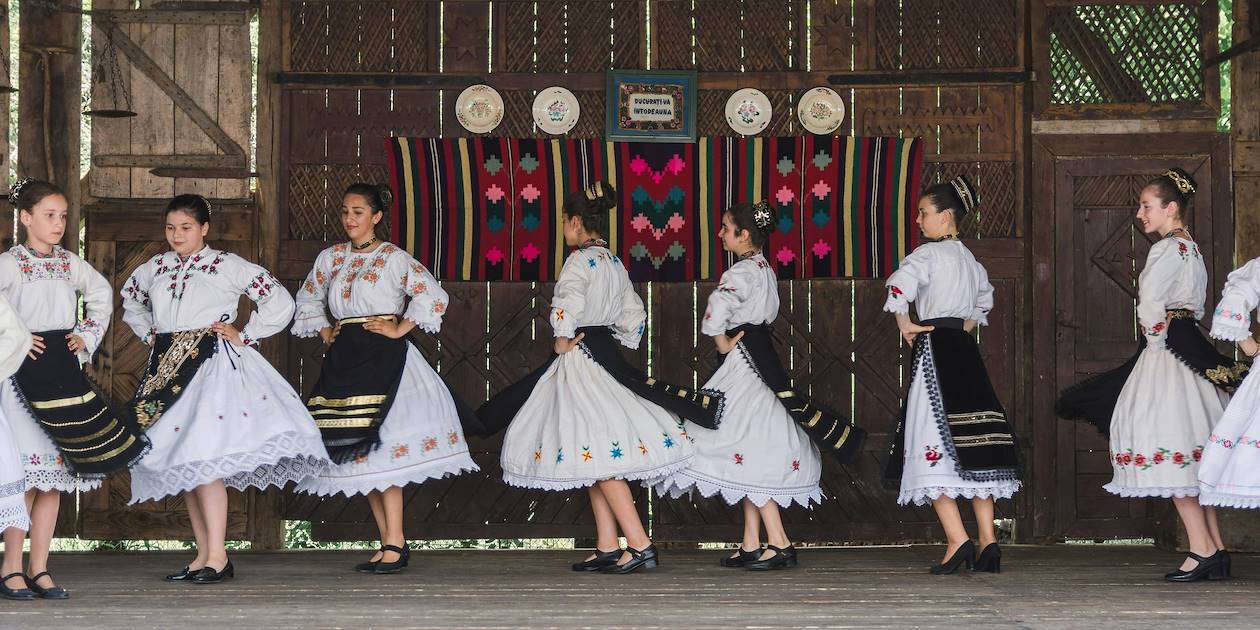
pixel 592 205
pixel 956 195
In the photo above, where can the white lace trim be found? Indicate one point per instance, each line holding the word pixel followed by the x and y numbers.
pixel 428 325
pixel 1226 330
pixel 651 475
pixel 47 479
pixel 1166 492
pixel 309 326
pixel 14 516
pixel 684 482
pixel 351 485
pixel 289 456
pixel 924 496
pixel 1224 499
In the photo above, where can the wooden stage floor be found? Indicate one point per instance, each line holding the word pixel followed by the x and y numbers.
pixel 1040 587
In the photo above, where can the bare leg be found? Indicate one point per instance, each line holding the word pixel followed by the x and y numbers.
pixel 212 499
pixel 605 522
pixel 377 503
pixel 392 500
pixel 983 507
pixel 617 493
pixel 43 508
pixel 1214 528
pixel 13 540
pixel 775 534
pixel 951 520
pixel 752 528
pixel 200 534
pixel 1195 521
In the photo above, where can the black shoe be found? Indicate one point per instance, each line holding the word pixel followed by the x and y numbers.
pixel 1209 568
pixel 742 559
pixel 53 592
pixel 782 559
pixel 208 575
pixel 369 566
pixel 19 594
pixel 990 560
pixel 392 567
pixel 1225 562
pixel 646 559
pixel 183 576
pixel 602 559
pixel 965 555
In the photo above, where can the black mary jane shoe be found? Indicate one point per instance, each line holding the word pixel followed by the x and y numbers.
pixel 783 558
pixel 1225 562
pixel 369 566
pixel 966 554
pixel 404 556
pixel 1209 568
pixel 646 559
pixel 208 575
pixel 602 559
pixel 185 575
pixel 990 559
pixel 16 594
pixel 52 592
pixel 742 558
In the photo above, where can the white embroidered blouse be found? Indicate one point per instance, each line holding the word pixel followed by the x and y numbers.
pixel 1232 319
pixel 1174 278
pixel 45 290
pixel 167 294
pixel 15 340
pixel 352 284
pixel 942 279
pixel 747 293
pixel 594 290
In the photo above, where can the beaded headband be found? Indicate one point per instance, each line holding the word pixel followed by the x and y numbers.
pixel 16 189
pixel 964 193
pixel 1180 181
pixel 761 214
pixel 595 191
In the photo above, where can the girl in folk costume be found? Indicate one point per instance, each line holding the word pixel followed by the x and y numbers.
pixel 1229 475
pixel 1165 401
pixel 587 418
pixel 387 419
pixel 15 342
pixel 759 457
pixel 217 413
pixel 68 438
pixel 953 440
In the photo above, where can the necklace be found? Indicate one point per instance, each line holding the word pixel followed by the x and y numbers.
pixel 590 242
pixel 947 237
pixel 1183 230
pixel 370 242
pixel 749 254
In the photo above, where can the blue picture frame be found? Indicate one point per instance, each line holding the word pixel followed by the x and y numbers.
pixel 651 106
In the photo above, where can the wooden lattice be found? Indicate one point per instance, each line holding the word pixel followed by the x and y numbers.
pixel 570 36
pixel 360 36
pixel 671 40
pixel 315 197
pixel 918 34
pixel 1130 53
pixel 995 187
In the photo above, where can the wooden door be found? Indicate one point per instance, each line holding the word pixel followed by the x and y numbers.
pixel 1088 198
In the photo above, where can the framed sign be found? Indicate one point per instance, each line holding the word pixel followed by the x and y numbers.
pixel 651 106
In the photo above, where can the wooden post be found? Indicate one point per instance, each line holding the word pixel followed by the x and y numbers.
pixel 49 102
pixel 6 216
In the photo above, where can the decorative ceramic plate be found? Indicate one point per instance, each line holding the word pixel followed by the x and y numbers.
pixel 820 110
pixel 556 110
pixel 479 108
pixel 748 111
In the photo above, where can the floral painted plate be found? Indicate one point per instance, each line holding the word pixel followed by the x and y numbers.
pixel 556 110
pixel 748 112
pixel 479 108
pixel 820 110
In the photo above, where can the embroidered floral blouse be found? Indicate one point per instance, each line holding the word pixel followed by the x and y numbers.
pixel 942 279
pixel 1232 319
pixel 15 340
pixel 352 284
pixel 1174 278
pixel 45 290
pixel 167 294
pixel 594 290
pixel 747 293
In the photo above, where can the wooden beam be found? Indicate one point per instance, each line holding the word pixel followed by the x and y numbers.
pixel 48 105
pixel 145 64
pixel 184 161
pixel 167 16
pixel 588 81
